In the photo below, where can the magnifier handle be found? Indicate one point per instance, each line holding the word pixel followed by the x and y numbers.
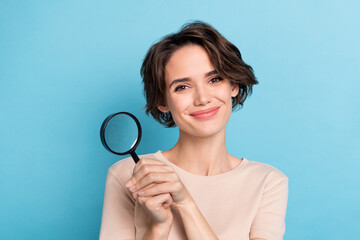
pixel 134 156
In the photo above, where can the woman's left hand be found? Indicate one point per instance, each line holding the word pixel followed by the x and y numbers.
pixel 153 177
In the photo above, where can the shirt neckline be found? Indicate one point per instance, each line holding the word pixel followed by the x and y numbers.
pixel 213 177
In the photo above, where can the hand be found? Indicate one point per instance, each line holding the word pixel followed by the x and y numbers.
pixel 152 178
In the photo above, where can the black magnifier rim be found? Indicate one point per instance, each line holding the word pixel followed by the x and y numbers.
pixel 103 127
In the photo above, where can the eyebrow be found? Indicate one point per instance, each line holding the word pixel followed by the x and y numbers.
pixel 180 80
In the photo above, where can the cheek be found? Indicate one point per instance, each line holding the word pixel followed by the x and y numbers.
pixel 225 93
pixel 178 104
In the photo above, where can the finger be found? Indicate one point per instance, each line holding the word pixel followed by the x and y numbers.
pixel 146 169
pixel 135 194
pixel 167 203
pixel 156 202
pixel 161 188
pixel 144 161
pixel 154 178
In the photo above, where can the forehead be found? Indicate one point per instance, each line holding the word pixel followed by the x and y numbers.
pixel 186 62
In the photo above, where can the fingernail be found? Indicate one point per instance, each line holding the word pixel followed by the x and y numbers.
pixel 132 188
pixel 141 193
pixel 130 182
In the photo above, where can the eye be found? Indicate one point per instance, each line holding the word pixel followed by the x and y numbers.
pixel 180 88
pixel 216 79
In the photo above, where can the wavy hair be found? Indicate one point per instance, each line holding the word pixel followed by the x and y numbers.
pixel 225 57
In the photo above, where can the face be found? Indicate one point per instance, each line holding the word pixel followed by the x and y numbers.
pixel 197 97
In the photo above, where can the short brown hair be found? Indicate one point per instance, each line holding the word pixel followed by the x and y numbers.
pixel 225 57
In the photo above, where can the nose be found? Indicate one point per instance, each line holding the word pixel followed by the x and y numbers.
pixel 202 96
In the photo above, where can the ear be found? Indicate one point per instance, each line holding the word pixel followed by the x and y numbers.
pixel 234 89
pixel 163 108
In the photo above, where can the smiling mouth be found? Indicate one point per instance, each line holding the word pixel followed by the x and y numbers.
pixel 205 114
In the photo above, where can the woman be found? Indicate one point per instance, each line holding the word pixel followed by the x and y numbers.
pixel 196 190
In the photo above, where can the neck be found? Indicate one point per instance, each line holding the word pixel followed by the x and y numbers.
pixel 202 155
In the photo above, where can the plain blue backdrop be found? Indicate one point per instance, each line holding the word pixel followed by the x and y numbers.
pixel 66 65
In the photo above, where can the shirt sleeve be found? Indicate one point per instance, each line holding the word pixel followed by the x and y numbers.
pixel 269 221
pixel 118 211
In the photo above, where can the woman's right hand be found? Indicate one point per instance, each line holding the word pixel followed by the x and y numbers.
pixel 158 208
pixel 156 205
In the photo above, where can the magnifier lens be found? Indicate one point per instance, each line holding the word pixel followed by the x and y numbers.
pixel 121 133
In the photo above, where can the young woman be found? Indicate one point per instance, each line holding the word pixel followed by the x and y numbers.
pixel 196 190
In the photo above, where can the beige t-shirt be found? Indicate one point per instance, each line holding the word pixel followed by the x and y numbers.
pixel 246 202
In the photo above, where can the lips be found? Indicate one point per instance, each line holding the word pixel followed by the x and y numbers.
pixel 205 114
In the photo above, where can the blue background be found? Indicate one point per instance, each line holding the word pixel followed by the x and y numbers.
pixel 66 65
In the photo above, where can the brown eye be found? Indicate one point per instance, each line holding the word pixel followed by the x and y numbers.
pixel 216 79
pixel 180 88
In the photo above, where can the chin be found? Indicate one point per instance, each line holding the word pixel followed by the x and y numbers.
pixel 204 130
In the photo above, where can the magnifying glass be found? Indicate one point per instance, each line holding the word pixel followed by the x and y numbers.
pixel 120 133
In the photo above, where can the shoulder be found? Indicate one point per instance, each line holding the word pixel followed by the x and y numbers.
pixel 122 170
pixel 265 172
